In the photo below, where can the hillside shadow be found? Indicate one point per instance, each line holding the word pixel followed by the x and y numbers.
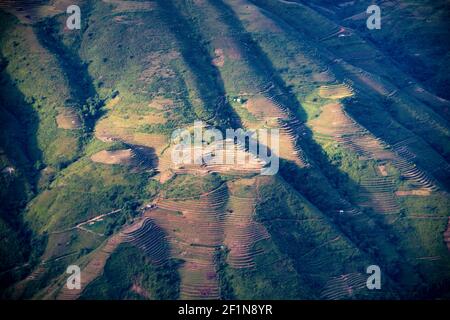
pixel 260 63
pixel 19 146
pixel 322 183
pixel 207 77
pixel 146 156
pixel 83 93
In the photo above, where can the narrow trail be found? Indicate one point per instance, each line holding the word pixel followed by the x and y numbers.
pixel 94 264
pixel 81 224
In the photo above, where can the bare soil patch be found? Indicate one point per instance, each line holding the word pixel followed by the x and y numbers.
pixel 137 288
pixel 156 64
pixel 113 157
pixel 324 77
pixel 219 59
pixel 418 192
pixel 130 6
pixel 68 119
pixel 160 103
pixel 230 49
pixel 335 91
pixel 383 171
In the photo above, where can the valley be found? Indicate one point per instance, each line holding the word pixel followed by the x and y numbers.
pixel 87 177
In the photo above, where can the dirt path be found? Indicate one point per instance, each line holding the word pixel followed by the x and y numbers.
pixel 81 224
pixel 93 268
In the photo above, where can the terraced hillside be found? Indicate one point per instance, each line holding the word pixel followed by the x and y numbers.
pixel 87 175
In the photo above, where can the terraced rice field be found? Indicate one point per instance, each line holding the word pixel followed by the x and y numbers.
pixel 277 115
pixel 195 231
pixel 223 156
pixel 150 239
pixel 198 228
pixel 93 268
pixel 336 125
pixel 344 286
pixel 363 122
pixel 241 231
pixel 378 194
pixel 93 264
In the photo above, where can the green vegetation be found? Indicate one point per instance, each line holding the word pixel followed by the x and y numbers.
pixel 129 275
pixel 44 88
pixel 85 190
pixel 423 56
pixel 226 287
pixel 188 186
pixel 273 278
pixel 138 70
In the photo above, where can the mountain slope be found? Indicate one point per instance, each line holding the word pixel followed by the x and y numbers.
pixel 86 151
